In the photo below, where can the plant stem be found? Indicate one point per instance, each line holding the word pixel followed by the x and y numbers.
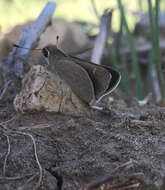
pixel 154 23
pixel 135 65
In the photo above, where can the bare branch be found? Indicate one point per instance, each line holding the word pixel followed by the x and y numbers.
pixel 106 178
pixel 39 126
pixel 30 36
pixel 13 64
pixel 101 37
pixel 156 85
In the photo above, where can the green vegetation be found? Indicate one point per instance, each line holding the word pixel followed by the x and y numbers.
pixel 134 62
pixel 154 60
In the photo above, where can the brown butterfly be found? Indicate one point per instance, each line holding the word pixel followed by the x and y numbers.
pixel 89 81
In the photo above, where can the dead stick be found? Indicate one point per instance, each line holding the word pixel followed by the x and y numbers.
pixel 13 64
pixel 144 123
pixel 109 177
pixel 156 85
pixel 16 177
pixel 101 37
pixel 31 36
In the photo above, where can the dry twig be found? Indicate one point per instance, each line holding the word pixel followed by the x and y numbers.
pixel 9 131
pixel 40 126
pixel 15 178
pixel 101 37
pixel 156 85
pixel 101 181
pixel 7 154
pixel 36 157
pixel 122 187
pixel 13 65
pixel 4 123
pixel 5 88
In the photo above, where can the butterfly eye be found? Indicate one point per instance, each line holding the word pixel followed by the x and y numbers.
pixel 45 52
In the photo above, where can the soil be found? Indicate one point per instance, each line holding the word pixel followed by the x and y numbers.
pixel 73 152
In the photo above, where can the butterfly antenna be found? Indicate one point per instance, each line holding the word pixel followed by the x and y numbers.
pixel 17 46
pixel 57 40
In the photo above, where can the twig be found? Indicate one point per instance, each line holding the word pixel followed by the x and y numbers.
pixel 109 177
pixel 156 85
pixel 143 123
pixel 7 154
pixel 101 37
pixel 3 93
pixel 15 178
pixel 35 151
pixel 30 179
pixel 6 122
pixel 13 64
pixel 36 157
pixel 40 126
pixel 31 36
pixel 122 187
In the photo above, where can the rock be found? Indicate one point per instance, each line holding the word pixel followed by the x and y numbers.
pixel 42 90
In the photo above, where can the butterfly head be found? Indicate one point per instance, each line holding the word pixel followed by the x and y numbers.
pixel 52 54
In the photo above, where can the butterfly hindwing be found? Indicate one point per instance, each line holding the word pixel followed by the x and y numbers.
pixel 114 80
pixel 99 75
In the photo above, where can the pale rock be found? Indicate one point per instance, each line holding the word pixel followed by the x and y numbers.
pixel 43 90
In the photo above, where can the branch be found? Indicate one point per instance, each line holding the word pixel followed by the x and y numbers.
pixel 104 179
pixel 101 37
pixel 13 64
pixel 30 36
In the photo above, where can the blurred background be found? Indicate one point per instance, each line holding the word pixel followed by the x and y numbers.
pixel 135 45
pixel 19 11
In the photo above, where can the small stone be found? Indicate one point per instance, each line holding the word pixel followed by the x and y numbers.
pixel 43 90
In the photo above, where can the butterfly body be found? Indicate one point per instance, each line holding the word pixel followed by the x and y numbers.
pixel 89 81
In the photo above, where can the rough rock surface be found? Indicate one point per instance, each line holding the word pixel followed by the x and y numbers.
pixel 42 90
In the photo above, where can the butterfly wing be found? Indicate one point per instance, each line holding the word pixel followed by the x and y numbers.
pixel 100 76
pixel 77 78
pixel 115 80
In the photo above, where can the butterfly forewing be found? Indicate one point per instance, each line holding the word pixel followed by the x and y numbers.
pixel 77 78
